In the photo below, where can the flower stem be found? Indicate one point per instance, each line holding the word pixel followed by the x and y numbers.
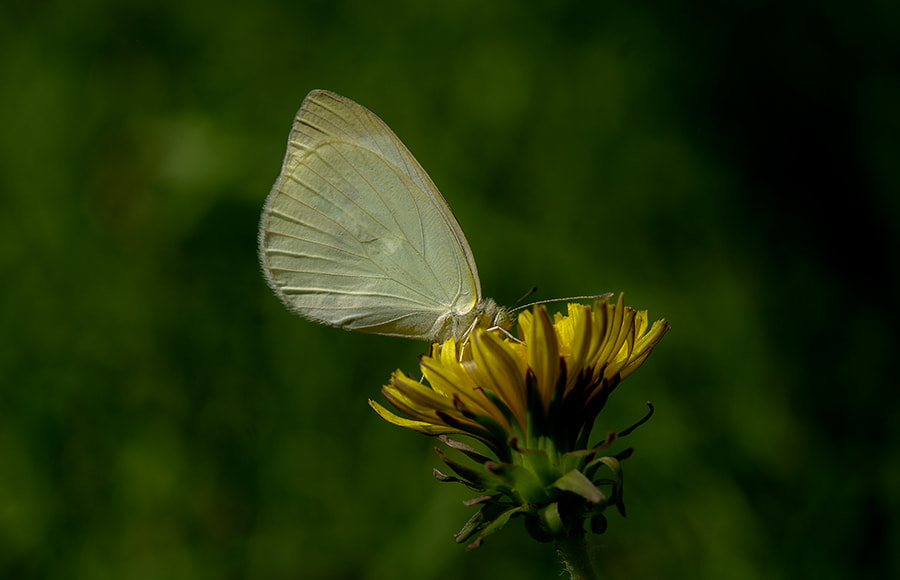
pixel 573 551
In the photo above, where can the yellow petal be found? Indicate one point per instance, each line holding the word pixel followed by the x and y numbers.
pixel 420 426
pixel 526 320
pixel 498 368
pixel 580 315
pixel 455 382
pixel 543 354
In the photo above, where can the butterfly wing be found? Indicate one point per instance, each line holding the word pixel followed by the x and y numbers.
pixel 356 235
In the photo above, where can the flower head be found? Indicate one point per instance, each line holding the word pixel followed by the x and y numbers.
pixel 532 402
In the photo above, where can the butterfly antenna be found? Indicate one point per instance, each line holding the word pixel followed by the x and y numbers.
pixel 526 295
pixel 587 297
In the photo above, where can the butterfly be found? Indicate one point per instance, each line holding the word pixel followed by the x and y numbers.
pixel 355 234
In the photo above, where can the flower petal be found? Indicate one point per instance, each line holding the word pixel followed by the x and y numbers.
pixel 420 426
pixel 498 368
pixel 543 354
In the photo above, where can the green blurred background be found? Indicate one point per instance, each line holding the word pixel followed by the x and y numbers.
pixel 731 167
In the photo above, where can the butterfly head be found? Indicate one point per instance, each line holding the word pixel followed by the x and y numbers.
pixel 486 314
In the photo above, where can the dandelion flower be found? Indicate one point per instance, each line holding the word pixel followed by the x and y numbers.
pixel 532 403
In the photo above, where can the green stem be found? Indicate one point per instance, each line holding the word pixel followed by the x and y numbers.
pixel 573 551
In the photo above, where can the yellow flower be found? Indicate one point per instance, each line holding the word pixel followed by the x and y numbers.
pixel 532 401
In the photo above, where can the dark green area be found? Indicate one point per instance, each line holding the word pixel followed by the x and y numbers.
pixel 731 167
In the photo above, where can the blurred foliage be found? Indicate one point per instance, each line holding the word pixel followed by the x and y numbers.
pixel 730 167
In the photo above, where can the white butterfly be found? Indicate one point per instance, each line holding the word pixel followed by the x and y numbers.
pixel 356 235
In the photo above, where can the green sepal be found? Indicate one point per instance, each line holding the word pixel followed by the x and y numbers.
pixel 464 448
pixel 613 463
pixel 643 420
pixel 552 520
pixel 484 433
pixel 478 520
pixel 493 433
pixel 479 500
pixel 525 483
pixel 488 520
pixel 537 461
pixel 577 483
pixel 577 459
pixel 495 526
pixel 443 477
pixel 611 436
pixel 472 477
pixel 618 478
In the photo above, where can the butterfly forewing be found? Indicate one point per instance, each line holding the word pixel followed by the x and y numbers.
pixel 355 234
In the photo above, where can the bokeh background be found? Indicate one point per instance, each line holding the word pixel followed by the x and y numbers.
pixel 731 167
